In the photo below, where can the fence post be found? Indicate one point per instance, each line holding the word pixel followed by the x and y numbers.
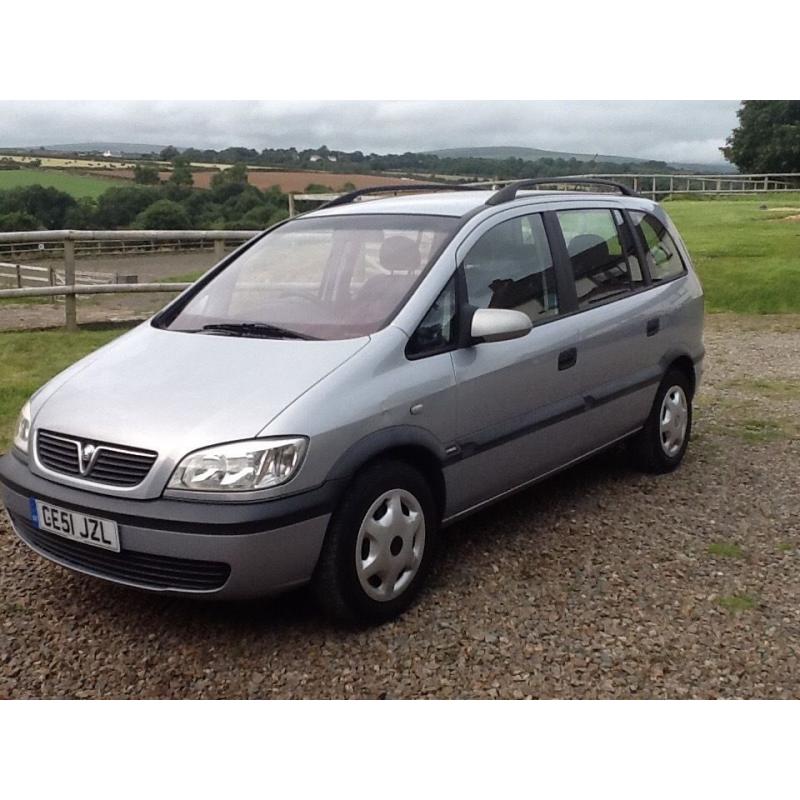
pixel 654 188
pixel 219 249
pixel 671 184
pixel 291 204
pixel 70 311
pixel 53 299
pixel 19 276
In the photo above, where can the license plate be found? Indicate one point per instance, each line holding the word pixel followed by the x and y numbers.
pixel 72 525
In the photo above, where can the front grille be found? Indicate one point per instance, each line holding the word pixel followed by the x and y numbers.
pixel 106 463
pixel 143 569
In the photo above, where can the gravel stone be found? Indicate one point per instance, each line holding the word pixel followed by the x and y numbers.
pixel 598 583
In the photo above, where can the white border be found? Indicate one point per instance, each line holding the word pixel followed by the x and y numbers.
pixel 398 749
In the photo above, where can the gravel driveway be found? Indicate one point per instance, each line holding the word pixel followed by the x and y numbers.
pixel 598 583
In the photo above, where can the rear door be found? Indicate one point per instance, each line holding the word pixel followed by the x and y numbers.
pixel 616 364
pixel 516 399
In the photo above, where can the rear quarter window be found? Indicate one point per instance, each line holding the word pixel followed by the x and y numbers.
pixel 661 253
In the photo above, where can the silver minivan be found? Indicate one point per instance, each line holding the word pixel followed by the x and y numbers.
pixel 319 404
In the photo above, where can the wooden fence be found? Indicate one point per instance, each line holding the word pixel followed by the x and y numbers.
pixel 38 281
pixel 655 187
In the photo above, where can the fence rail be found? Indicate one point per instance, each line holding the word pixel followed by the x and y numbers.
pixel 71 283
pixel 655 186
pixel 50 244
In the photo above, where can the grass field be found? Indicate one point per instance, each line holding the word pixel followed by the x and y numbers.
pixel 748 258
pixel 33 357
pixel 70 182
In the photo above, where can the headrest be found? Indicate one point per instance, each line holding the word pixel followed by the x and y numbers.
pixel 399 253
pixel 585 241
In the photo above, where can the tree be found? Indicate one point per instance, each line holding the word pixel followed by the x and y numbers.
pixel 767 138
pixel 229 182
pixel 233 176
pixel 146 175
pixel 169 153
pixel 181 173
pixel 164 215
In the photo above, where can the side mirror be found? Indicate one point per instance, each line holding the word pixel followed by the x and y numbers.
pixel 499 324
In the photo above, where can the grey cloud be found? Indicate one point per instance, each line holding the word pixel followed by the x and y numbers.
pixel 670 130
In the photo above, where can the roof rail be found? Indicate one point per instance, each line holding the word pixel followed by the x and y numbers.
pixel 508 193
pixel 403 187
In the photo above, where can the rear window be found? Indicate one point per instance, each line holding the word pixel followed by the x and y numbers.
pixel 324 278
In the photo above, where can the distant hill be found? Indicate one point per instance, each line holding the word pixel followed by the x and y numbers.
pixel 534 154
pixel 116 148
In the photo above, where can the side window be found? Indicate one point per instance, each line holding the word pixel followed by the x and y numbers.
pixel 662 256
pixel 599 263
pixel 510 266
pixel 437 331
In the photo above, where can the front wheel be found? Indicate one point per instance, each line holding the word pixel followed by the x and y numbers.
pixel 379 545
pixel 661 444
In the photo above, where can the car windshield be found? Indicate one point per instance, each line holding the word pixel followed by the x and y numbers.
pixel 334 277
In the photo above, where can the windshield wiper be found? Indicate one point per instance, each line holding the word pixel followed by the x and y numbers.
pixel 259 330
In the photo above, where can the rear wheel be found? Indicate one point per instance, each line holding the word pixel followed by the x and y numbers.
pixel 661 444
pixel 379 545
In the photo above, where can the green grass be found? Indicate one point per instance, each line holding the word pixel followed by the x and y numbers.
pixel 71 182
pixel 24 301
pixel 31 358
pixel 761 430
pixel 726 550
pixel 738 602
pixel 189 277
pixel 769 388
pixel 748 258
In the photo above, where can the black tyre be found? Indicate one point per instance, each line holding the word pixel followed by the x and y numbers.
pixel 379 545
pixel 661 444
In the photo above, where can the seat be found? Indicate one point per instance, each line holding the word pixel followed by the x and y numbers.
pixel 400 257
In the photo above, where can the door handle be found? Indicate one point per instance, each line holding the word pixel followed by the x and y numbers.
pixel 653 326
pixel 567 358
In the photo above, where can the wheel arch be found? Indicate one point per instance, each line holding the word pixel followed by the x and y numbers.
pixel 413 445
pixel 684 363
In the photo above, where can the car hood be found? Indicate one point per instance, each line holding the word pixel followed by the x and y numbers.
pixel 174 392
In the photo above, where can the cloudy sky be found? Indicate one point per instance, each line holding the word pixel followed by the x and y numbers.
pixel 663 130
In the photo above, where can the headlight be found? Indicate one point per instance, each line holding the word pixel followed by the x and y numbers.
pixel 22 432
pixel 240 466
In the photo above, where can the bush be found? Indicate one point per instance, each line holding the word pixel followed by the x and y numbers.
pixel 146 175
pixel 18 221
pixel 48 205
pixel 255 219
pixel 83 216
pixel 119 206
pixel 163 215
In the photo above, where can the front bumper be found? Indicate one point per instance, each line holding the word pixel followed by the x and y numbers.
pixel 226 550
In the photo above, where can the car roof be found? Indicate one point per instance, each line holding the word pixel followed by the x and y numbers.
pixel 457 204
